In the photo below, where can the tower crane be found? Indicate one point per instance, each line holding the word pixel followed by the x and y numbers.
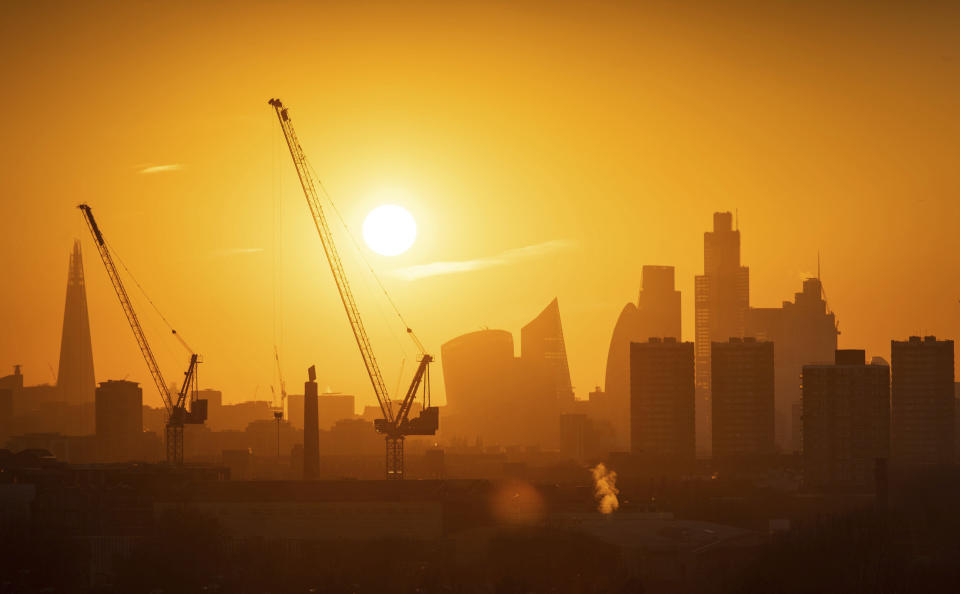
pixel 396 423
pixel 278 410
pixel 175 402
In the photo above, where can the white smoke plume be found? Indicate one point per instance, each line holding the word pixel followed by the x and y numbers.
pixel 605 489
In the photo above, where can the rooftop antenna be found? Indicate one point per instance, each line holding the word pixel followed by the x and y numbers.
pixel 819 280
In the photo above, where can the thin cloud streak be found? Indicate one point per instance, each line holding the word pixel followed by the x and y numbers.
pixel 237 252
pixel 511 256
pixel 161 168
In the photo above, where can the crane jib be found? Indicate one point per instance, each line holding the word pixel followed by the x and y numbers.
pixel 395 424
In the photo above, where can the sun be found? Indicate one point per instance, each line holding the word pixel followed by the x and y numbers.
pixel 389 230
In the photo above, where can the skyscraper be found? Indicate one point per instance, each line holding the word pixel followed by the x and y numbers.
pixel 742 389
pixel 500 398
pixel 543 349
pixel 722 301
pixel 804 332
pixel 662 401
pixel 75 379
pixel 476 371
pixel 846 421
pixel 922 415
pixel 656 314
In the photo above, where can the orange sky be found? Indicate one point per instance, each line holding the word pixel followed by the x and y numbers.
pixel 614 131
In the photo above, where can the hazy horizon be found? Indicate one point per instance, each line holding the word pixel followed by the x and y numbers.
pixel 610 133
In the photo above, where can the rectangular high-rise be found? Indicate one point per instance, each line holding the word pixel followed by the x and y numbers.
pixel 742 397
pixel 922 406
pixel 662 400
pixel 846 421
pixel 722 300
pixel 658 303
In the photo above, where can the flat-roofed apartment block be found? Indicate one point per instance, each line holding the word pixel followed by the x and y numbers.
pixel 846 421
pixel 923 404
pixel 742 401
pixel 662 393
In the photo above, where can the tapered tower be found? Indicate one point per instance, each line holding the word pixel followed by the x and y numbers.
pixel 75 379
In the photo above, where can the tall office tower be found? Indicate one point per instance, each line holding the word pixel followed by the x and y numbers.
pixel 662 401
pixel 805 332
pixel 543 349
pixel 846 421
pixel 742 388
pixel 311 428
pixel 476 370
pixel 721 303
pixel 495 396
pixel 75 377
pixel 656 314
pixel 923 427
pixel 119 420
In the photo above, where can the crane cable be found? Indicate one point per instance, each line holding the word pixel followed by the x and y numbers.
pixel 147 297
pixel 376 277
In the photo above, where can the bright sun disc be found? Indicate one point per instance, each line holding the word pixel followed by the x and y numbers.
pixel 389 230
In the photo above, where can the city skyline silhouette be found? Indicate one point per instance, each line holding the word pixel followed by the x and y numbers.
pixel 527 297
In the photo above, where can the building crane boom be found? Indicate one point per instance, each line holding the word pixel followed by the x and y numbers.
pixel 394 425
pixel 177 413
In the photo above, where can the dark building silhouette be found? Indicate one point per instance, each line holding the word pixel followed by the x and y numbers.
pixel 742 396
pixel 922 405
pixel 846 421
pixel 477 368
pixel 214 400
pixel 14 384
pixel 543 348
pixel 311 429
pixel 6 414
pixel 804 332
pixel 334 407
pixel 75 379
pixel 295 410
pixel 574 434
pixel 721 303
pixel 119 420
pixel 662 400
pixel 503 399
pixel 656 314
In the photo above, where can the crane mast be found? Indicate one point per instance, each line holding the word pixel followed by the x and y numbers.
pixel 177 413
pixel 394 425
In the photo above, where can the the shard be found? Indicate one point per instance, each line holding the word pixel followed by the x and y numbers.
pixel 75 379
